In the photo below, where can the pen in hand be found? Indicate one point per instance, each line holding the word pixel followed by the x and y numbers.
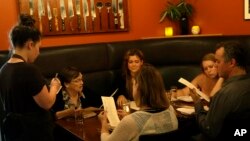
pixel 56 77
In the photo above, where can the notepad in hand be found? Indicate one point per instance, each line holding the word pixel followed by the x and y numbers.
pixel 191 86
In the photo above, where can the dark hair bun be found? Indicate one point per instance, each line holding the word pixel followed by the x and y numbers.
pixel 26 20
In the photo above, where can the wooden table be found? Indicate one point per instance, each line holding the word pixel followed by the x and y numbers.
pixel 88 131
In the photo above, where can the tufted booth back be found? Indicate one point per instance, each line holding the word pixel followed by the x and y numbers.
pixel 101 62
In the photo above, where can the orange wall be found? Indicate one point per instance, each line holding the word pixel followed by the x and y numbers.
pixel 213 16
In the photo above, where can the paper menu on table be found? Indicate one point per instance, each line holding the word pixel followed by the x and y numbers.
pixel 191 86
pixel 109 106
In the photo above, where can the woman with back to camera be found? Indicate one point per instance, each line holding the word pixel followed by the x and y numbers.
pixel 208 81
pixel 132 63
pixel 71 98
pixel 23 91
pixel 155 116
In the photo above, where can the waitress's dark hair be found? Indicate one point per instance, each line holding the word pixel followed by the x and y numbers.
pixel 25 30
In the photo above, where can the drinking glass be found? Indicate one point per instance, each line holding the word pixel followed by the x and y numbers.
pixel 78 116
pixel 173 91
pixel 126 107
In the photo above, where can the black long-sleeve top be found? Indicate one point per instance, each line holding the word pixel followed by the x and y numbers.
pixel 229 110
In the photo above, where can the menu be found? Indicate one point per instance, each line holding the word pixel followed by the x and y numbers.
pixel 191 86
pixel 109 106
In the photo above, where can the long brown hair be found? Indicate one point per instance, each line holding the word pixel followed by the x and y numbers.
pixel 151 90
pixel 126 72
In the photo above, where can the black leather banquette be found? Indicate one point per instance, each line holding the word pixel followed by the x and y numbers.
pixel 101 62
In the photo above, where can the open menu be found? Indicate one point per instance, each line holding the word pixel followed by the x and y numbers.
pixel 109 106
pixel 191 86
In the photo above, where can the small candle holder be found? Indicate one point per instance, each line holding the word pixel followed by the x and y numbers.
pixel 195 30
pixel 168 31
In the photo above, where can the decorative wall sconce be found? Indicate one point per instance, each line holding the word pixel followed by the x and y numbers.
pixel 168 31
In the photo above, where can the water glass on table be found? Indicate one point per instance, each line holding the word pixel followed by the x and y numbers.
pixel 126 107
pixel 173 92
pixel 78 116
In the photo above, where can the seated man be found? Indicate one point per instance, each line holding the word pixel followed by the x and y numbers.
pixel 230 107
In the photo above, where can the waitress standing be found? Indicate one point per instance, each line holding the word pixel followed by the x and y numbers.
pixel 24 96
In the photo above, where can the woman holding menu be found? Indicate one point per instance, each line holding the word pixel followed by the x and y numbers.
pixel 155 116
pixel 208 81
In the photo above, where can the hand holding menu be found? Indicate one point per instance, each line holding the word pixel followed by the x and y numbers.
pixel 109 106
pixel 191 86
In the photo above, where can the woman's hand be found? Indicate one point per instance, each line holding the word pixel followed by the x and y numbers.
pixel 104 120
pixel 78 112
pixel 121 113
pixel 121 100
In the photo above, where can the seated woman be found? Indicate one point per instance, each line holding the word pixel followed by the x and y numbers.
pixel 208 81
pixel 132 62
pixel 71 97
pixel 155 116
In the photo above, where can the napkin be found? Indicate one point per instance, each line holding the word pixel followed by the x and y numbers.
pixel 185 98
pixel 186 111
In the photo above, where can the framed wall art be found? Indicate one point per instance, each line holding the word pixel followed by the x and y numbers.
pixel 247 9
pixel 58 17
